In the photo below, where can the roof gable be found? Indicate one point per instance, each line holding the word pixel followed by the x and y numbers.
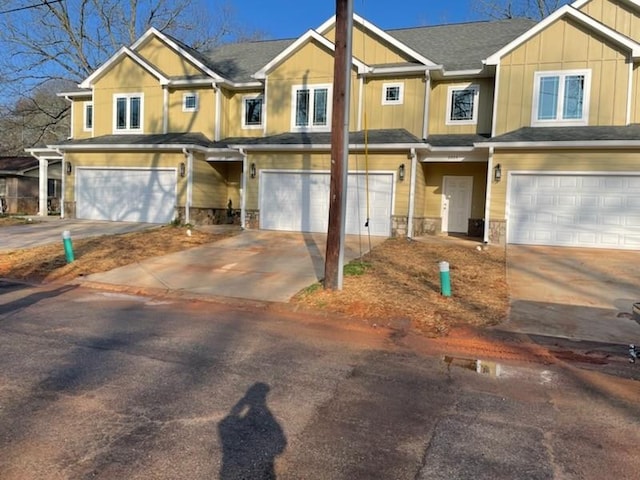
pixel 124 52
pixel 376 31
pixel 581 3
pixel 309 36
pixel 568 11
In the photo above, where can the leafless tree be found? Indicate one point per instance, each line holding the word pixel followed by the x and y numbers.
pixel 66 40
pixel 500 9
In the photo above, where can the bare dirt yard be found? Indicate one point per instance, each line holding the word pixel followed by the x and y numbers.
pixel 399 281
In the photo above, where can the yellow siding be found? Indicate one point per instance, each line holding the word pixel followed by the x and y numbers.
pixel 371 49
pixel 126 76
pixel 408 115
pixel 635 100
pixel 616 15
pixel 438 107
pixel 312 64
pixel 232 113
pixel 563 46
pixel 435 172
pixel 209 184
pixel 166 59
pixel 77 129
pixel 555 160
pixel 125 159
pixel 322 161
pixel 203 120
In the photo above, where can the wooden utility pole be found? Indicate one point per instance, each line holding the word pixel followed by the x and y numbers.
pixel 334 264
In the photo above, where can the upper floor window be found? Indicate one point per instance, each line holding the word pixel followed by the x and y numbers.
pixel 252 111
pixel 190 102
pixel 392 93
pixel 88 117
pixel 462 105
pixel 128 111
pixel 311 107
pixel 561 98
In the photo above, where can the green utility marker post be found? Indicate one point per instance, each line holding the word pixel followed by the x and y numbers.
pixel 445 280
pixel 68 247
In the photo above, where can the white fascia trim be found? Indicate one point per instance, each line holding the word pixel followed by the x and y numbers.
pixel 431 148
pixel 586 20
pixel 141 146
pixel 352 146
pixel 382 34
pixel 119 54
pixel 616 144
pixel 178 49
pixel 394 70
pixel 304 39
pixel 582 3
pixel 69 95
pixel 462 73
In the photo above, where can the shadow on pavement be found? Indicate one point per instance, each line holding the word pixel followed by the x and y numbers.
pixel 251 438
pixel 34 298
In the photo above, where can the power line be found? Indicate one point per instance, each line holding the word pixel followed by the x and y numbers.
pixel 42 4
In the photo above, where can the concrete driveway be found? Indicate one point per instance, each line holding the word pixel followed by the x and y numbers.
pixel 575 293
pixel 254 265
pixel 45 230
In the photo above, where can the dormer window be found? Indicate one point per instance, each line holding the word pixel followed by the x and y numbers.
pixel 128 113
pixel 561 98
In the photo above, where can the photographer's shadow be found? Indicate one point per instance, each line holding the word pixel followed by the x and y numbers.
pixel 251 438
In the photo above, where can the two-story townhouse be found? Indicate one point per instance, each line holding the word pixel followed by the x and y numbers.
pixel 502 124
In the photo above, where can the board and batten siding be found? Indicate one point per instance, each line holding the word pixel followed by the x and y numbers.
pixel 609 161
pixel 232 111
pixel 202 120
pixel 77 128
pixel 615 15
pixel 564 45
pixel 438 107
pixel 167 60
pixel 126 77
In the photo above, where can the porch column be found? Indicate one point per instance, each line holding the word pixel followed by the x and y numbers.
pixel 42 191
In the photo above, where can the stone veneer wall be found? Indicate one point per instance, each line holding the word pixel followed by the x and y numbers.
pixel 252 219
pixel 210 216
pixel 69 209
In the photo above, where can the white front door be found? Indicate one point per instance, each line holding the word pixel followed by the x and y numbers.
pixel 456 203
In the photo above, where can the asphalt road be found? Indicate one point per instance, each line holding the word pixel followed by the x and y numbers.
pixel 96 385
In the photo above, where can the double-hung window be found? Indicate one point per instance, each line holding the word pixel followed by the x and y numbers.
pixel 252 111
pixel 128 113
pixel 561 98
pixel 462 105
pixel 87 123
pixel 311 107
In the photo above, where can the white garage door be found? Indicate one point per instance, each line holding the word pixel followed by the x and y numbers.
pixel 299 201
pixel 575 210
pixel 128 195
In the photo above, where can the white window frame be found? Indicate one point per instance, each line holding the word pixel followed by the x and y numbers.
pixel 85 117
pixel 559 121
pixel 476 100
pixel 387 86
pixel 128 97
pixel 184 101
pixel 312 88
pixel 244 112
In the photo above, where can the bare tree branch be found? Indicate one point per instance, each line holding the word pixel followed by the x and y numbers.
pixel 534 9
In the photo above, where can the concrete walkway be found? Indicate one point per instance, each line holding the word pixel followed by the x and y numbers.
pixel 254 265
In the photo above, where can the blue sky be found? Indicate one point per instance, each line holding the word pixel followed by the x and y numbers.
pixel 290 18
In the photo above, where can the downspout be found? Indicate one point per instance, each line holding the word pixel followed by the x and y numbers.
pixel 63 182
pixel 43 175
pixel 487 199
pixel 412 193
pixel 243 193
pixel 71 119
pixel 360 100
pixel 218 100
pixel 427 97
pixel 187 206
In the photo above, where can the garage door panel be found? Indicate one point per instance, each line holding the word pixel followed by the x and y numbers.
pixel 135 195
pixel 306 208
pixel 575 210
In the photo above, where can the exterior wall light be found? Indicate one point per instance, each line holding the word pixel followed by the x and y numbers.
pixel 68 168
pixel 252 170
pixel 497 172
pixel 401 172
pixel 183 169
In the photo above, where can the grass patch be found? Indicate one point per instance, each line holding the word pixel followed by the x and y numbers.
pixel 356 268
